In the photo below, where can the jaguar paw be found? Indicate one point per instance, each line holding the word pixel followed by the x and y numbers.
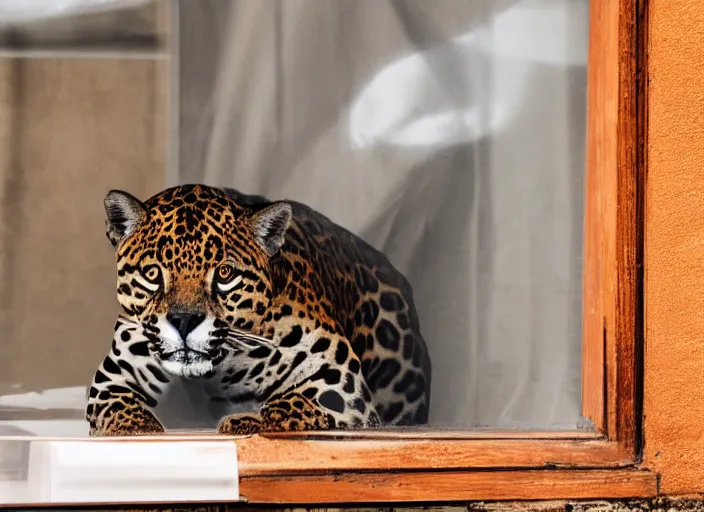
pixel 240 424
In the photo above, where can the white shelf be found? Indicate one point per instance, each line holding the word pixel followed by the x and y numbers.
pixel 120 471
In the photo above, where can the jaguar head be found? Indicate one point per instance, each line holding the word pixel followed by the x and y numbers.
pixel 193 266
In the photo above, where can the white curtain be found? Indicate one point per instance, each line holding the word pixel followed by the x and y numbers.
pixel 447 133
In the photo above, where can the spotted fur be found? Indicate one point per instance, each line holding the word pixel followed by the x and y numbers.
pixel 267 303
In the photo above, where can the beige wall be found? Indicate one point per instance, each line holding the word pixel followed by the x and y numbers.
pixel 674 252
pixel 70 129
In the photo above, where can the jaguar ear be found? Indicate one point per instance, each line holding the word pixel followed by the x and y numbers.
pixel 270 225
pixel 124 215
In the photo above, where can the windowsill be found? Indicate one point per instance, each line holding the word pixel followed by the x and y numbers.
pixel 375 467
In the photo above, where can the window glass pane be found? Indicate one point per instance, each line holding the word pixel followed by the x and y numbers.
pixel 448 134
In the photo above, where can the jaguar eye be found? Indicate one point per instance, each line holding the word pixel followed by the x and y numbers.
pixel 226 278
pixel 152 273
pixel 224 274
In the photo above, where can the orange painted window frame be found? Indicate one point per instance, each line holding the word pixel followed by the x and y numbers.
pixel 430 465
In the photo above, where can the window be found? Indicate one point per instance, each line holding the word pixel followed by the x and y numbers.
pixel 413 124
pixel 441 464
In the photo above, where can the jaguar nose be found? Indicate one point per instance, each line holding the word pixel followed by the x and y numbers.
pixel 185 322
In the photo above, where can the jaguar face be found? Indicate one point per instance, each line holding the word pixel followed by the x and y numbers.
pixel 192 266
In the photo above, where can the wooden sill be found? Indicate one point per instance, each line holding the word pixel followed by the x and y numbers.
pixel 265 456
pixel 396 467
pixel 450 486
pixel 368 451
pixel 372 467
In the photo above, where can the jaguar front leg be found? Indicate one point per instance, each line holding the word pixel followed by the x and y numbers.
pixel 290 412
pixel 123 415
pixel 125 386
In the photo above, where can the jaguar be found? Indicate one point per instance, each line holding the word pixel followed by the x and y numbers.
pixel 288 319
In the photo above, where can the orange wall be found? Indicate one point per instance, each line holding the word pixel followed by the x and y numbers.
pixel 674 247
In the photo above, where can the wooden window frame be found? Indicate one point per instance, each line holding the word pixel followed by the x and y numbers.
pixel 426 465
pixel 431 465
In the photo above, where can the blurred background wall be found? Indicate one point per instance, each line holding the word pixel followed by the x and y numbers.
pixel 83 109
